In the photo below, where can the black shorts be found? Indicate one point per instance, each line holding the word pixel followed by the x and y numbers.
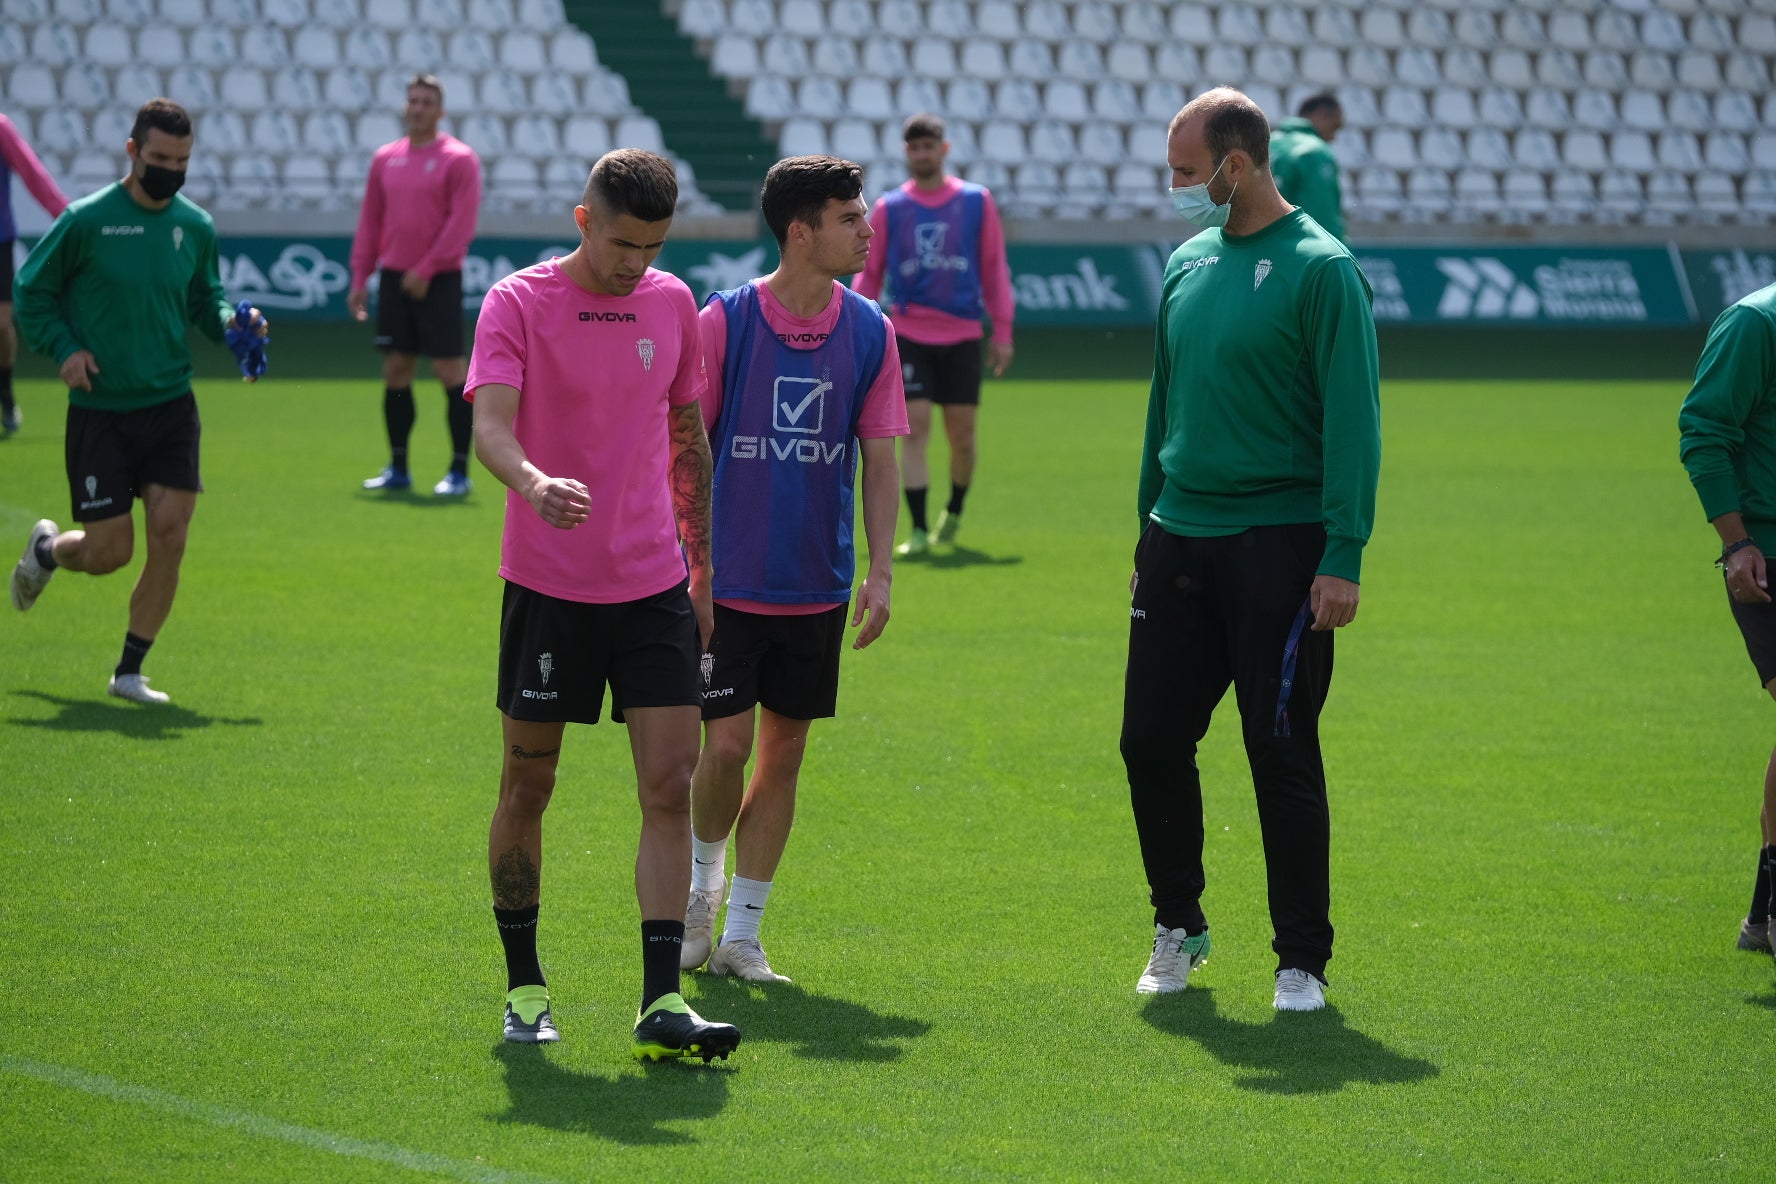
pixel 429 328
pixel 557 655
pixel 6 274
pixel 789 664
pixel 1757 623
pixel 113 455
pixel 942 373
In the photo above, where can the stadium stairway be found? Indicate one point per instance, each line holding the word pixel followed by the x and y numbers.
pixel 672 82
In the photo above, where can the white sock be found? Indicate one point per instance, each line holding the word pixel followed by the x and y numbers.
pixel 746 908
pixel 707 860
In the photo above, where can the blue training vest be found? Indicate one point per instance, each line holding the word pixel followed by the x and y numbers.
pixel 934 254
pixel 786 453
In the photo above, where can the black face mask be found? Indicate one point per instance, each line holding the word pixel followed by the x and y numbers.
pixel 161 183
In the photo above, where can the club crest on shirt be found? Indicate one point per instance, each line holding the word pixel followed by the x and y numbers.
pixel 92 487
pixel 708 667
pixel 644 346
pixel 1259 272
pixel 178 237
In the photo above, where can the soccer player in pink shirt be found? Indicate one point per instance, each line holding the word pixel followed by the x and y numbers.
pixel 941 250
pixel 16 157
pixel 418 218
pixel 804 381
pixel 586 379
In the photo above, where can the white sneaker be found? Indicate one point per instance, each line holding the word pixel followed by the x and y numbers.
pixel 1297 990
pixel 135 688
pixel 744 958
pixel 699 935
pixel 1175 955
pixel 30 577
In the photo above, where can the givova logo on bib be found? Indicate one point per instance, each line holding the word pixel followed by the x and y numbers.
pixel 798 405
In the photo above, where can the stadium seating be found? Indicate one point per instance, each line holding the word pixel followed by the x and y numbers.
pixel 1490 110
pixel 289 96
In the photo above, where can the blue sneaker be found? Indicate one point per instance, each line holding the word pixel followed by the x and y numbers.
pixel 452 485
pixel 390 478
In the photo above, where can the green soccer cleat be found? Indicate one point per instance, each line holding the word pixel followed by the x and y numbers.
pixel 948 527
pixel 527 1016
pixel 670 1029
pixel 917 543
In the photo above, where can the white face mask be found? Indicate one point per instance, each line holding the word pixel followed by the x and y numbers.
pixel 1194 204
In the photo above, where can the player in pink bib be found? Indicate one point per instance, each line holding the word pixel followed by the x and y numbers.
pixel 585 382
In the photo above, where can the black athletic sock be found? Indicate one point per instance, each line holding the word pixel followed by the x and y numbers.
pixel 518 933
pixel 916 503
pixel 45 552
pixel 461 414
pixel 134 650
pixel 957 493
pixel 398 414
pixel 661 944
pixel 1762 906
pixel 6 404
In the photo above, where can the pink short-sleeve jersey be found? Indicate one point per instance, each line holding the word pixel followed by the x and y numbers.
pixel 884 411
pixel 596 378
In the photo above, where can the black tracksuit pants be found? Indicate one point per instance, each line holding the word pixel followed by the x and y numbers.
pixel 1208 612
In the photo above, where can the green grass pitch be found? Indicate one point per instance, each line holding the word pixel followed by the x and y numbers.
pixel 247 937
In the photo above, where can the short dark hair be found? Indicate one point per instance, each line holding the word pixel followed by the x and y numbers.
pixel 1315 103
pixel 1231 122
pixel 430 82
pixel 923 126
pixel 630 181
pixel 797 189
pixel 163 114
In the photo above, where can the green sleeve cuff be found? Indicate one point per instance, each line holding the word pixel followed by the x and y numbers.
pixel 1719 493
pixel 1343 558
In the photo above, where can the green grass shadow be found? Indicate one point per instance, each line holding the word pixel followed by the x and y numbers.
pixel 629 1108
pixel 1306 1053
pixel 818 1026
pixel 953 556
pixel 164 722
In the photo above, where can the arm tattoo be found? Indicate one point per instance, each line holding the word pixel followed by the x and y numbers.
pixel 525 754
pixel 516 880
pixel 692 468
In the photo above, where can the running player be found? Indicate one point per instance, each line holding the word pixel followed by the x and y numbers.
pixel 109 293
pixel 600 459
pixel 417 221
pixel 804 376
pixel 944 264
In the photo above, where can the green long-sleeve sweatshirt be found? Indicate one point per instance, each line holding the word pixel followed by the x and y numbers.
pixel 125 283
pixel 1266 406
pixel 1306 173
pixel 1727 427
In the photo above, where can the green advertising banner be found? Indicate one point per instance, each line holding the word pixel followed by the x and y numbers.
pixel 1119 285
pixel 1721 278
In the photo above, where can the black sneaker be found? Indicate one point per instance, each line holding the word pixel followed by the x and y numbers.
pixel 1755 935
pixel 669 1028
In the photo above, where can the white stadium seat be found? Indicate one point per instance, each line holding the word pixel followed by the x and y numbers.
pixel 486 134
pixel 553 93
pixel 871 98
pixel 349 89
pixel 373 130
pixel 244 88
pixel 388 14
pixel 493 16
pixel 785 54
pixel 1746 71
pixel 316 47
pixel 1019 99
pixel 282 14
pixel 968 98
pixel 885 57
pixel 535 135
pixel 1584 150
pixel 820 96
pixel 55 44
pixel 1726 152
pixel 1487 148
pixel 587 136
pixel 1595 109
pixel 223 132
pixel 192 87
pixel 986 60
pixel 419 49
pixel 326 133
pixel 274 132
pixel 735 56
pixel 1735 111
pixel 504 93
pixel 640 131
pixel 337 14
pixel 108 45
pixel 1534 148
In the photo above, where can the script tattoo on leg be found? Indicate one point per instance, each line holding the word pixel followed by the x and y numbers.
pixel 517 881
pixel 526 754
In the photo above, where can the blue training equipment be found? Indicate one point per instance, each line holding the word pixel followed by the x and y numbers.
pixel 247 345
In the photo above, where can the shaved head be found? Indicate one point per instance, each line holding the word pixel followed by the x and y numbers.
pixel 1227 121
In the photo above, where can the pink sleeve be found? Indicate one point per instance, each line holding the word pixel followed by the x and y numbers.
pixel 884 407
pixel 690 381
pixel 869 281
pixel 21 160
pixel 712 322
pixel 458 231
pixel 995 272
pixel 367 243
pixel 500 351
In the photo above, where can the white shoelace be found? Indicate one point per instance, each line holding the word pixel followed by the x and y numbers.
pixel 1167 949
pixel 701 912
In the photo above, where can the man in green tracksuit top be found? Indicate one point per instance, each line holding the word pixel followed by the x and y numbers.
pixel 1257 493
pixel 1302 162
pixel 109 293
pixel 1727 431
